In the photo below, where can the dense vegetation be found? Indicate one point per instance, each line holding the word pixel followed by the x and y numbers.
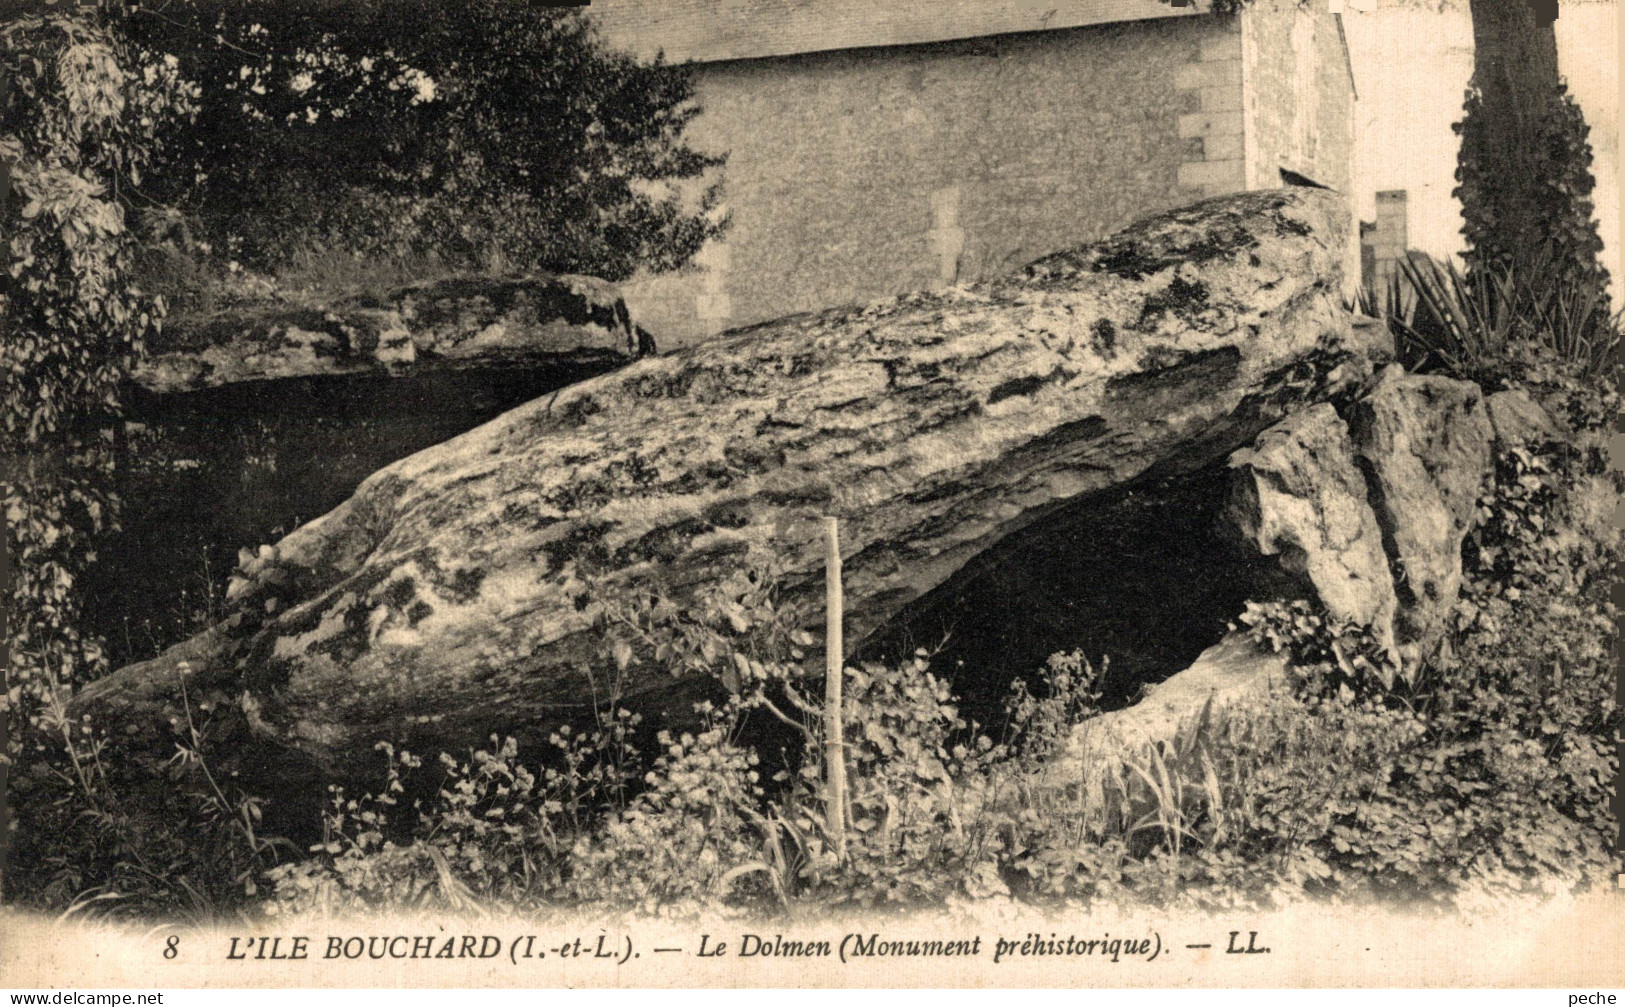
pixel 1489 770
pixel 490 135
pixel 80 123
pixel 166 156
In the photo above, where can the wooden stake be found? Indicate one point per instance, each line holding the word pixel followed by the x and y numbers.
pixel 834 662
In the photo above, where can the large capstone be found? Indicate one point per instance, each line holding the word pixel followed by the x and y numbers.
pixel 456 593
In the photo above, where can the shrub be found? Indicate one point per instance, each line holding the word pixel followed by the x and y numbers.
pixel 190 845
pixel 487 135
pixel 1327 656
pixel 684 839
pixel 496 832
pixel 907 841
pixel 1493 780
pixel 1537 221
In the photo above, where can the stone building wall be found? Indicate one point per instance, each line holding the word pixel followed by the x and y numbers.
pixel 1389 238
pixel 1211 92
pixel 1299 99
pixel 857 174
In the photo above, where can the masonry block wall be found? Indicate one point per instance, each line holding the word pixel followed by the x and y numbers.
pixel 858 174
pixel 1388 238
pixel 1212 121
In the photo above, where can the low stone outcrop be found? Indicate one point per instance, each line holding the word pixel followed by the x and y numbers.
pixel 1298 494
pixel 1518 420
pixel 1371 520
pixel 1425 444
pixel 455 593
pixel 1232 673
pixel 456 323
pixel 249 422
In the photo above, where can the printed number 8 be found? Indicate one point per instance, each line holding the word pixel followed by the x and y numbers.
pixel 172 947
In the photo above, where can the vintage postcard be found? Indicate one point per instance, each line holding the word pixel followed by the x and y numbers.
pixel 811 493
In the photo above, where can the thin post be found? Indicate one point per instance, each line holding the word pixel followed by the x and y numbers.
pixel 834 662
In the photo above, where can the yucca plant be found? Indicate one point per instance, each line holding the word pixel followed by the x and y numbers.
pixel 1444 320
pixel 1581 330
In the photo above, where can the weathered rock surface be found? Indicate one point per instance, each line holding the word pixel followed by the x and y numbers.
pixel 455 593
pixel 247 423
pixel 1231 673
pixel 456 323
pixel 1518 420
pixel 1297 494
pixel 1425 444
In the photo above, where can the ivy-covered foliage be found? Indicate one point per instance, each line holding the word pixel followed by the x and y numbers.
pixel 484 134
pixel 1343 658
pixel 80 123
pixel 1544 209
pixel 1525 187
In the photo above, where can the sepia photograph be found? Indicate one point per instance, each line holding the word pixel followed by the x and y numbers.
pixel 810 493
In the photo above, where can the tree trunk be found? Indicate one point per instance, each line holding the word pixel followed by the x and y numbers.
pixel 1514 54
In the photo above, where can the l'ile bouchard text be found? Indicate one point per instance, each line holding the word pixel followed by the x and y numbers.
pixel 623 949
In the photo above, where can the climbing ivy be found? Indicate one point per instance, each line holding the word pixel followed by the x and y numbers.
pixel 1544 210
pixel 77 126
